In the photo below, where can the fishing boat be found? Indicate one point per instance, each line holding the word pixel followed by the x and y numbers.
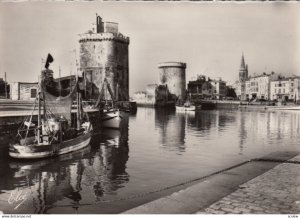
pixel 111 118
pixel 53 133
pixel 110 115
pixel 187 106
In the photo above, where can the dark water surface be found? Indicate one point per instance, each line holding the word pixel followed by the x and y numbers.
pixel 158 149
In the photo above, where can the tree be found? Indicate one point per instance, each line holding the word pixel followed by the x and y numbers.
pixel 231 93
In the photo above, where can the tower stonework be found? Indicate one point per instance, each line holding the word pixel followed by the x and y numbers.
pixel 104 54
pixel 243 77
pixel 172 74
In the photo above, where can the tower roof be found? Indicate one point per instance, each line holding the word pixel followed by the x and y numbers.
pixel 243 66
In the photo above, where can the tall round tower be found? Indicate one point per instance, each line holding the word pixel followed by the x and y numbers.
pixel 104 54
pixel 172 74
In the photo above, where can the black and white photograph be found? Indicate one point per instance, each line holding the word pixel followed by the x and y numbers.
pixel 149 107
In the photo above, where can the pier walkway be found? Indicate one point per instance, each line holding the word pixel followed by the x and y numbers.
pixel 268 185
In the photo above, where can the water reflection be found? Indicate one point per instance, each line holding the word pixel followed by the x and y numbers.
pixel 242 133
pixel 81 177
pixel 166 148
pixel 204 121
pixel 172 129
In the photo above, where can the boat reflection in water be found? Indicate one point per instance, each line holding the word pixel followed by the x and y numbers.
pixel 166 149
pixel 64 183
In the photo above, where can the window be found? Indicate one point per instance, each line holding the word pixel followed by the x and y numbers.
pixel 283 91
pixel 292 84
pixel 33 93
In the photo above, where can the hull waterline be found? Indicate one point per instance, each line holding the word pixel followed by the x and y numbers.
pixel 112 119
pixel 183 109
pixel 35 151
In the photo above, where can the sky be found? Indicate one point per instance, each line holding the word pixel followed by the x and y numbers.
pixel 209 37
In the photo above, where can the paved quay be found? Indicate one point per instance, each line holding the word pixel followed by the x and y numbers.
pixel 275 192
pixel 268 185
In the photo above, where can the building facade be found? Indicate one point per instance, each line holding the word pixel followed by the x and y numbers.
pixel 219 89
pixel 104 55
pixel 285 89
pixel 23 91
pixel 207 89
pixel 258 87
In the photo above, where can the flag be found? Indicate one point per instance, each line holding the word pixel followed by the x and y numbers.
pixel 49 60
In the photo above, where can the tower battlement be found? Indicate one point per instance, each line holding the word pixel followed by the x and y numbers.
pixel 93 37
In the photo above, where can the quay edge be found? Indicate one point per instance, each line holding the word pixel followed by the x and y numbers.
pixel 206 191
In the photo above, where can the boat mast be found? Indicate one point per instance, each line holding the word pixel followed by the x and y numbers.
pixel 39 111
pixel 117 92
pixel 77 94
pixel 78 107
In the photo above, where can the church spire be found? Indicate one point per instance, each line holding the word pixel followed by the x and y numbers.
pixel 243 72
pixel 243 66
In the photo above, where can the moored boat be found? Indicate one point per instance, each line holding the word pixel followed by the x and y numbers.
pixel 53 133
pixel 111 118
pixel 186 107
pixel 110 115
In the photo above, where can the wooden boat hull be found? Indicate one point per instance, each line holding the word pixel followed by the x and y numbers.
pixel 182 108
pixel 35 151
pixel 111 119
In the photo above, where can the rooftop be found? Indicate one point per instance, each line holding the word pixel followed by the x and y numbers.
pixel 172 64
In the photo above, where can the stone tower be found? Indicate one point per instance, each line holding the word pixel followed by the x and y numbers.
pixel 243 72
pixel 172 74
pixel 104 54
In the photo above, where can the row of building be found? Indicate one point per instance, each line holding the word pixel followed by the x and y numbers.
pixel 266 86
pixel 172 87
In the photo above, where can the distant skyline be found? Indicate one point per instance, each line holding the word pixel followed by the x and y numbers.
pixel 209 37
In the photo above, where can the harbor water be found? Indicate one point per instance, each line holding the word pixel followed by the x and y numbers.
pixel 158 150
